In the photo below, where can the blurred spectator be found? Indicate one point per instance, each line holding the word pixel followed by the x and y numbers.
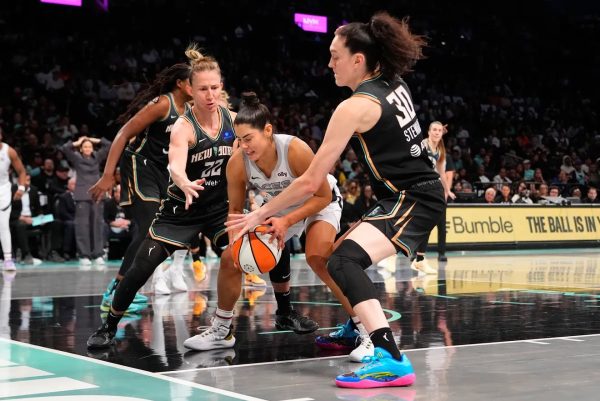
pixel 490 195
pixel 117 231
pixel 528 172
pixel 523 194
pixel 89 215
pixel 21 221
pixel 366 200
pixel 501 178
pixel 505 194
pixel 592 196
pixel 65 213
pixel 352 191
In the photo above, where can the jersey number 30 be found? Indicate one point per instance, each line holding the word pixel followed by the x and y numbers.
pixel 401 99
pixel 212 168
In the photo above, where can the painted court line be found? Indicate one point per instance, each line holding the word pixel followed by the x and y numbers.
pixel 21 372
pixel 41 386
pixel 535 341
pixel 138 371
pixel 4 362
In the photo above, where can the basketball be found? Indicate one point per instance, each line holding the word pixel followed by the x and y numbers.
pixel 253 252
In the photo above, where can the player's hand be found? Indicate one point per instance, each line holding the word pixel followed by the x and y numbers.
pixel 102 187
pixel 278 230
pixel 450 195
pixel 18 194
pixel 191 189
pixel 243 223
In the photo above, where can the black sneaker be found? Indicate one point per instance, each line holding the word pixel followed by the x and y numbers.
pixel 55 257
pixel 442 258
pixel 104 337
pixel 296 322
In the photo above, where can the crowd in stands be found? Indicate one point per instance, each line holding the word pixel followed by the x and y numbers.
pixel 515 92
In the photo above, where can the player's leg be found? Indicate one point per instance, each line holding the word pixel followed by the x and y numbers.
pixel 320 237
pixel 150 255
pixel 286 317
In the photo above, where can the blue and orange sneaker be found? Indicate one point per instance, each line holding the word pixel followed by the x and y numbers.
pixel 140 302
pixel 380 370
pixel 345 338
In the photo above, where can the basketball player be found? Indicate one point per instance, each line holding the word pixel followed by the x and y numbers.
pixel 437 154
pixel 270 162
pixel 144 142
pixel 370 59
pixel 201 144
pixel 8 158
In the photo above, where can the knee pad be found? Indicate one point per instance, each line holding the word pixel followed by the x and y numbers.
pixel 282 272
pixel 347 267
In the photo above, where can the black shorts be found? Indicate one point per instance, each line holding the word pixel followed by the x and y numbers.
pixel 408 218
pixel 142 179
pixel 177 226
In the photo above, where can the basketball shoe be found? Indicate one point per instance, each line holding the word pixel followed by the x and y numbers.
pixel 104 337
pixel 252 280
pixel 380 370
pixel 296 322
pixel 342 339
pixel 199 270
pixel 365 348
pixel 422 267
pixel 139 303
pixel 214 337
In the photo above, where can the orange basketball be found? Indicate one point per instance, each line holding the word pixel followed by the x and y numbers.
pixel 253 253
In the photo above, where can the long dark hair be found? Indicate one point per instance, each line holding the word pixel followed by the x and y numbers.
pixel 386 42
pixel 165 81
pixel 253 112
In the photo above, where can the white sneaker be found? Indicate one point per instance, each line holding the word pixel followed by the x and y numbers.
pixel 422 267
pixel 160 282
pixel 175 275
pixel 366 348
pixel 9 265
pixel 211 338
pixel 85 262
pixel 99 261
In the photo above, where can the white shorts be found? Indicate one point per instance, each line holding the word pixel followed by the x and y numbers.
pixel 331 214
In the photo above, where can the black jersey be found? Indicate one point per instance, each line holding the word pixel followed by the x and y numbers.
pixel 208 158
pixel 393 150
pixel 154 143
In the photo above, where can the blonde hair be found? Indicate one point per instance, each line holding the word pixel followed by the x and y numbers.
pixel 200 62
pixel 441 145
pixel 224 101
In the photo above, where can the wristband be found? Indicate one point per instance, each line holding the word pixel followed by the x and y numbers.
pixel 21 188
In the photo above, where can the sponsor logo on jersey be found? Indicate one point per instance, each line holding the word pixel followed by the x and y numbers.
pixel 415 150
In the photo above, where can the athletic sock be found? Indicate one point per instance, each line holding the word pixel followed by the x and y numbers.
pixel 284 304
pixel 223 318
pixel 384 338
pixel 112 320
pixel 195 256
pixel 420 257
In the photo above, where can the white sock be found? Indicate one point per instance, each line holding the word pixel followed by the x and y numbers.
pixel 223 318
pixel 178 257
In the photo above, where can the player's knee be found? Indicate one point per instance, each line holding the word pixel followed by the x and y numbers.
pixel 347 267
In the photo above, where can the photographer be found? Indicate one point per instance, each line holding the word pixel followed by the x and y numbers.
pixel 522 195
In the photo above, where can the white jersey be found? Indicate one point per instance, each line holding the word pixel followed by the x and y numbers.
pixel 4 166
pixel 281 178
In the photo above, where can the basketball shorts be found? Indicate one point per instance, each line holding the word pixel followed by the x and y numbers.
pixel 331 214
pixel 142 179
pixel 408 218
pixel 177 226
